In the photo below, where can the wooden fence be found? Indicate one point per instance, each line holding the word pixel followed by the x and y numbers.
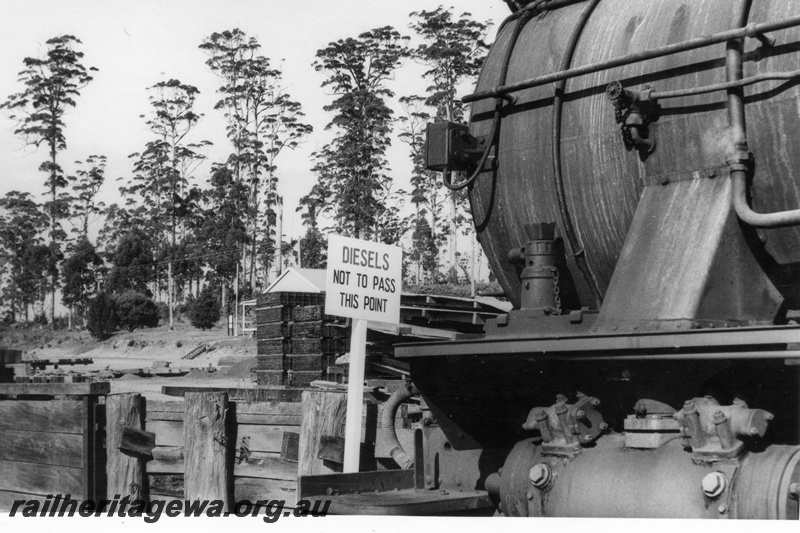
pixel 255 435
pixel 52 440
pixel 48 444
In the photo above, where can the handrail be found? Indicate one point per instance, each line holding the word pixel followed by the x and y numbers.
pixel 750 31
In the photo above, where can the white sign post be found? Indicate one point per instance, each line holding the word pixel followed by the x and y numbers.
pixel 363 283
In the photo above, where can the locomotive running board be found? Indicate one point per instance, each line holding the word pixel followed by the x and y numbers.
pixel 770 342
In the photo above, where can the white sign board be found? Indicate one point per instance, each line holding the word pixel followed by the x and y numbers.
pixel 363 279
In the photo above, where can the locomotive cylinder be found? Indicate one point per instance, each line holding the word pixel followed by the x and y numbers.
pixel 611 480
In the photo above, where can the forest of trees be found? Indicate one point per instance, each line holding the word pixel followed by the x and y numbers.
pixel 185 226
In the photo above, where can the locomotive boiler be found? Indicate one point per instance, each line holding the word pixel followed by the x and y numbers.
pixel 633 171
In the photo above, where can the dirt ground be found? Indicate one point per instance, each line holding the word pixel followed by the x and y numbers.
pixel 144 348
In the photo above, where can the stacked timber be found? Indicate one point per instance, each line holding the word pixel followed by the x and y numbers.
pixel 296 340
pixel 8 360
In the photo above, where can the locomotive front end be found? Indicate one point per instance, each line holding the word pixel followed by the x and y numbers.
pixel 633 170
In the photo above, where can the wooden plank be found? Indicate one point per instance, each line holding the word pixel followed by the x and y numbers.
pixel 166 498
pixel 271 362
pixel 124 470
pixel 168 432
pixel 166 460
pixel 260 464
pixel 41 479
pixel 7 499
pixel 61 416
pixel 255 394
pixel 166 415
pixel 171 485
pixel 331 449
pixel 268 413
pixel 263 438
pixel 205 438
pixel 290 448
pixel 137 442
pixel 254 489
pixel 353 482
pixel 10 356
pixel 157 406
pixel 175 405
pixel 314 362
pixel 58 449
pixel 55 389
pixel 267 468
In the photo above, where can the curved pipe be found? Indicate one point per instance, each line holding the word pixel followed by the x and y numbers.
pixel 388 433
pixel 575 245
pixel 738 125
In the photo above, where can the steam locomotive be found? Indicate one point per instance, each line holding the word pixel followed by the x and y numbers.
pixel 632 170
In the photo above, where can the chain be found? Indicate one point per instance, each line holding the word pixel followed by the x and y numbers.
pixel 556 292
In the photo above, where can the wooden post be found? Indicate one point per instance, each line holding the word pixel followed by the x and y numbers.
pixel 355 394
pixel 323 414
pixel 124 470
pixel 204 441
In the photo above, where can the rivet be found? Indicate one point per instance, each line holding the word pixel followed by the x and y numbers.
pixel 529 495
pixel 722 508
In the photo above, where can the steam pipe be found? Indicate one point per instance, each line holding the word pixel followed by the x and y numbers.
pixel 752 30
pixel 388 432
pixel 654 96
pixel 739 166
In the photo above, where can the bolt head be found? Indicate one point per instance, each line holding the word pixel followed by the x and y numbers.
pixel 529 495
pixel 714 484
pixel 595 402
pixel 540 475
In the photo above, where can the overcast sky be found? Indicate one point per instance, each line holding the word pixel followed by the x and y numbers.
pixel 136 44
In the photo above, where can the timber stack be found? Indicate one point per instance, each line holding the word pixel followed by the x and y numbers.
pixel 296 341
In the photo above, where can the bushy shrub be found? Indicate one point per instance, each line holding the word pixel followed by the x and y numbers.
pixel 102 316
pixel 163 310
pixel 135 310
pixel 40 319
pixel 204 311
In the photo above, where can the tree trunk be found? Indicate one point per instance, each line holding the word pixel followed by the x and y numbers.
pixel 54 193
pixel 170 295
pixel 472 265
pixel 453 237
pixel 278 260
